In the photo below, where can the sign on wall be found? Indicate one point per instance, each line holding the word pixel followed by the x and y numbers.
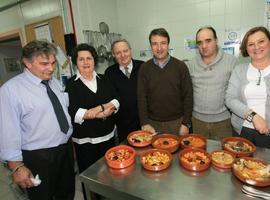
pixel 12 64
pixel 267 14
pixel 43 32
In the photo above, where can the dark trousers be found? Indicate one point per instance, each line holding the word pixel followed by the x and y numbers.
pixel 255 137
pixel 213 130
pixel 172 127
pixel 87 154
pixel 55 167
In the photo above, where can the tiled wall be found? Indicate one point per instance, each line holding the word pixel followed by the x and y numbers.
pixel 88 14
pixel 134 19
pixel 182 18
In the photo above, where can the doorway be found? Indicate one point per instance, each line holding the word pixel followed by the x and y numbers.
pixel 10 54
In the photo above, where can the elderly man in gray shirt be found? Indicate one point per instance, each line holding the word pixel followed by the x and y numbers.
pixel 210 71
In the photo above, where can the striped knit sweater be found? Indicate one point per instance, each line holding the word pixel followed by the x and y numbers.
pixel 209 86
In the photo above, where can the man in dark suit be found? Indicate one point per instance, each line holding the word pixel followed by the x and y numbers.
pixel 123 77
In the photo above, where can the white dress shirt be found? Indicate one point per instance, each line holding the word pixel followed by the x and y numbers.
pixel 129 66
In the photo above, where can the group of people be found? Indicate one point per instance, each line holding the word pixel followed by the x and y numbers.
pixel 41 124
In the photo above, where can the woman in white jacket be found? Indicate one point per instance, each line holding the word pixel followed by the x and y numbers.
pixel 248 93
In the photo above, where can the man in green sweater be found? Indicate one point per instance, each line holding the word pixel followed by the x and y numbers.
pixel 210 71
pixel 165 96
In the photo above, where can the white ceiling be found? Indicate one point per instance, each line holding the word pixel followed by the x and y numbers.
pixel 7 2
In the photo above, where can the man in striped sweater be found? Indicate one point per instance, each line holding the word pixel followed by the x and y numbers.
pixel 210 71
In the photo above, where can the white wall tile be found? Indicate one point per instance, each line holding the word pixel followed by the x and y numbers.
pixel 217 21
pixel 252 4
pixel 202 9
pixel 233 20
pixel 233 6
pixel 217 7
pixel 134 19
pixel 250 18
pixel 183 18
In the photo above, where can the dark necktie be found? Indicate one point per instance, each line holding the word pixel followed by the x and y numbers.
pixel 127 72
pixel 59 112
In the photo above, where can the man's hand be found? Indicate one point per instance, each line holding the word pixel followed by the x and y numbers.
pixel 184 130
pixel 22 176
pixel 149 128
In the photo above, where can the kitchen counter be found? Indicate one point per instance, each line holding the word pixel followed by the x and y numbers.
pixel 134 182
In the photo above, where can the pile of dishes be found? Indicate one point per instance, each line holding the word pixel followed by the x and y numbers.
pixel 193 156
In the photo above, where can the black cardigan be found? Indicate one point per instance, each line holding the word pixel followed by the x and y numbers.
pixel 80 96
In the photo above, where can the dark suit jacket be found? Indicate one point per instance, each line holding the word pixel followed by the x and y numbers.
pixel 127 119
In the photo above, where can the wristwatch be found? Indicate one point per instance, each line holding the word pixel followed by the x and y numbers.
pixel 250 116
